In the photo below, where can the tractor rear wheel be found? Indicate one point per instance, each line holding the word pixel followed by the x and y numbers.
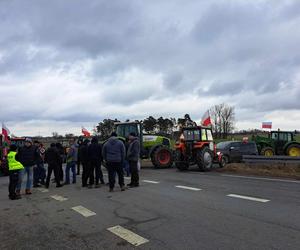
pixel 162 157
pixel 293 150
pixel 180 163
pixel 204 159
pixel 267 151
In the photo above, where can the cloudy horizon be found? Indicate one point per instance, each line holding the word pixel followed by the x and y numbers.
pixel 67 64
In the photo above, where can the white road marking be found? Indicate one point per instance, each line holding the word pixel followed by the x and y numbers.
pixel 189 188
pixel 259 178
pixel 43 190
pixel 59 198
pixel 127 178
pixel 128 235
pixel 153 182
pixel 247 198
pixel 83 211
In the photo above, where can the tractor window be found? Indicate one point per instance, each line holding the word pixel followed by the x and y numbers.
pixel 204 136
pixel 126 129
pixel 192 135
pixel 274 136
pixel 285 137
pixel 209 135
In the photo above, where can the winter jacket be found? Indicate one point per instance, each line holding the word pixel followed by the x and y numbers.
pixel 52 156
pixel 95 150
pixel 113 150
pixel 72 154
pixel 28 156
pixel 83 153
pixel 133 152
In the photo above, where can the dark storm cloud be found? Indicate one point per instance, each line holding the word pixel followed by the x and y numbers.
pixel 121 53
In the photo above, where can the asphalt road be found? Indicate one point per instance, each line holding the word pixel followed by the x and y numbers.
pixel 170 210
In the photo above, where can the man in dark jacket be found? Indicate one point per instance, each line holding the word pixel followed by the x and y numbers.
pixel 28 156
pixel 79 144
pixel 114 155
pixel 84 157
pixel 133 155
pixel 39 172
pixel 52 157
pixel 95 157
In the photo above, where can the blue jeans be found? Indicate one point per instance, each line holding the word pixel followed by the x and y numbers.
pixel 72 166
pixel 29 172
pixel 39 174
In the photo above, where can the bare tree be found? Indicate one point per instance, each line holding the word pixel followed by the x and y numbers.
pixel 222 116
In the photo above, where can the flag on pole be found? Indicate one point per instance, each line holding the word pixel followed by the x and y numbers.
pixel 206 121
pixel 267 125
pixel 85 132
pixel 5 133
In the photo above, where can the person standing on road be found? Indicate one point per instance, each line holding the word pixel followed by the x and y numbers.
pixel 133 155
pixel 61 152
pixel 71 162
pixel 14 167
pixel 39 172
pixel 114 155
pixel 95 157
pixel 84 157
pixel 79 144
pixel 52 157
pixel 28 156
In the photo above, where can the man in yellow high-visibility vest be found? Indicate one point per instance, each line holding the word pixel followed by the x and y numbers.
pixel 14 167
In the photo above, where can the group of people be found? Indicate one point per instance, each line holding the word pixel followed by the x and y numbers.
pixel 113 154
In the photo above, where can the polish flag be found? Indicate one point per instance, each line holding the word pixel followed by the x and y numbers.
pixel 5 133
pixel 267 125
pixel 206 121
pixel 85 132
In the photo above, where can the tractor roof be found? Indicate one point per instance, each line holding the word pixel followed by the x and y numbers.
pixel 121 123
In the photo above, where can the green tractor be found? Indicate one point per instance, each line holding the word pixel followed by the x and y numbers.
pixel 156 148
pixel 278 143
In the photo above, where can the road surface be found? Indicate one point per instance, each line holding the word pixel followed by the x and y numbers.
pixel 170 210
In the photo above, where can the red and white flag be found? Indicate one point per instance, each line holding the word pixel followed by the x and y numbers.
pixel 206 121
pixel 267 125
pixel 5 132
pixel 85 132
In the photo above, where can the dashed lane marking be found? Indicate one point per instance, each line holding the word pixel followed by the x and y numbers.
pixel 259 178
pixel 59 198
pixel 83 211
pixel 128 235
pixel 43 190
pixel 247 198
pixel 153 182
pixel 189 188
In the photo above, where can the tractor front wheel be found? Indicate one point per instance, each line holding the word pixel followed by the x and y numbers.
pixel 293 150
pixel 180 163
pixel 267 151
pixel 162 157
pixel 204 159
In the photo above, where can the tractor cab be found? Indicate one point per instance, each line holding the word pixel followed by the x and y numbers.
pixel 123 129
pixel 280 139
pixel 195 146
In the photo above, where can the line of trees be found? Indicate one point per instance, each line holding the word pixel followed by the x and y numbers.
pixel 222 116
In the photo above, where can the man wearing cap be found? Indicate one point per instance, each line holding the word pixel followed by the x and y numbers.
pixel 133 155
pixel 28 156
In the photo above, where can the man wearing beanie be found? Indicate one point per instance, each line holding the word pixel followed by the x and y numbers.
pixel 52 157
pixel 14 172
pixel 114 155
pixel 28 156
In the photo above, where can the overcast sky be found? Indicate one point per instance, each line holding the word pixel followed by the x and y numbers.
pixel 69 63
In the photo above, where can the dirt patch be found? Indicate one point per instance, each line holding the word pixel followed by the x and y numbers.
pixel 274 170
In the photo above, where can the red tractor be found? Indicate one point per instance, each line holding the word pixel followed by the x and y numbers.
pixel 195 147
